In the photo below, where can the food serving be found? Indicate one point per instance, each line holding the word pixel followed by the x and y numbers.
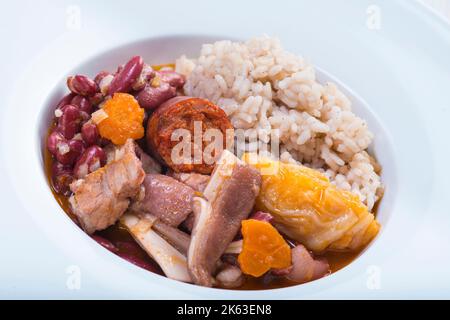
pixel 234 169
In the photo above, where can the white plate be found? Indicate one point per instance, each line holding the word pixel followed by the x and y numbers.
pixel 401 70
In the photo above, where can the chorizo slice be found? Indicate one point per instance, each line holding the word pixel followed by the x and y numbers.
pixel 184 112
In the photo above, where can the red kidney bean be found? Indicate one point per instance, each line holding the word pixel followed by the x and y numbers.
pixel 53 140
pixel 61 178
pixel 82 85
pixel 103 142
pixel 152 97
pixel 70 121
pixel 119 69
pixel 124 79
pixel 92 159
pixel 139 262
pixel 69 151
pixel 105 243
pixel 65 100
pixel 146 75
pixel 96 99
pixel 171 77
pixel 89 133
pixel 99 77
pixel 82 103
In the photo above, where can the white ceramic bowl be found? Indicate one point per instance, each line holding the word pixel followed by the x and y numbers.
pixel 389 77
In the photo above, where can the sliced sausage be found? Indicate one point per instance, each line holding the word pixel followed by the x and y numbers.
pixel 185 113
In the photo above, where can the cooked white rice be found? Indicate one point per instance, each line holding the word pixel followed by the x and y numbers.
pixel 263 87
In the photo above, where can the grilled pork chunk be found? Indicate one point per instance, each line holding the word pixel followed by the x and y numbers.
pixel 165 198
pixel 101 197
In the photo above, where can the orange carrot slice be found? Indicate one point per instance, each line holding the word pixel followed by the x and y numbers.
pixel 122 119
pixel 263 248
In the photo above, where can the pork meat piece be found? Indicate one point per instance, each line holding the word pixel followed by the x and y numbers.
pixel 196 181
pixel 165 198
pixel 218 221
pixel 101 197
pixel 148 163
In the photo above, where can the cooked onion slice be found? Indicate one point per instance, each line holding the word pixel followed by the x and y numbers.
pixel 235 247
pixel 171 261
pixel 222 171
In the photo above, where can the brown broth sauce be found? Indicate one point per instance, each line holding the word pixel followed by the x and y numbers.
pixel 116 233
